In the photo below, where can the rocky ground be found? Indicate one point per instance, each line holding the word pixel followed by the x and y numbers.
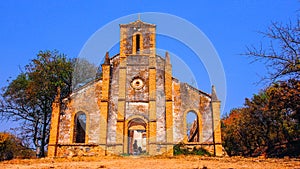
pixel 180 162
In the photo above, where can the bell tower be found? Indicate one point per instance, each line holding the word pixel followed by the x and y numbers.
pixel 137 55
pixel 137 38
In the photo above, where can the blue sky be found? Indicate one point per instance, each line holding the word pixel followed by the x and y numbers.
pixel 30 26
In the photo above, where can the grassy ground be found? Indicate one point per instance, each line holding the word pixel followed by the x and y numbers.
pixel 178 162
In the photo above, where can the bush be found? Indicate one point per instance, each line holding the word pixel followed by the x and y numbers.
pixel 181 148
pixel 11 147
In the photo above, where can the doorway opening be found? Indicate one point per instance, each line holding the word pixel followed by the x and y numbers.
pixel 137 137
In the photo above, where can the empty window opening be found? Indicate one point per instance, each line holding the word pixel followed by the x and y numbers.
pixel 192 127
pixel 80 128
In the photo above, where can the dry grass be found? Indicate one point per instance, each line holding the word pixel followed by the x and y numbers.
pixel 159 162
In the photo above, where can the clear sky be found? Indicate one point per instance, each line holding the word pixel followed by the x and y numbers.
pixel 30 26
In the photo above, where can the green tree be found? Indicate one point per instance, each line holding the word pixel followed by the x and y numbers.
pixel 28 98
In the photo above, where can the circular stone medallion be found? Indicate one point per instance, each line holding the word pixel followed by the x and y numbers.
pixel 137 84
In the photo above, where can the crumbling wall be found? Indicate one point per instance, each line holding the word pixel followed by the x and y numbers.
pixel 160 100
pixel 137 99
pixel 65 121
pixel 113 101
pixel 178 135
pixel 187 98
pixel 79 150
pixel 84 100
pixel 137 67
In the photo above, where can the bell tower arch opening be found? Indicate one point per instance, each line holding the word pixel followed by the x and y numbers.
pixel 137 43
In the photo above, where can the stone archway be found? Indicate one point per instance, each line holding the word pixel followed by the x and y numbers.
pixel 137 136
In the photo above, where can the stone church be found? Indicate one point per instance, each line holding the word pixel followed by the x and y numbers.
pixel 136 107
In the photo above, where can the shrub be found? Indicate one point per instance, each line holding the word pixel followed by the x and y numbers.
pixel 11 147
pixel 181 148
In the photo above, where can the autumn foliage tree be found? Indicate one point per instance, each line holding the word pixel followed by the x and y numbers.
pixel 267 124
pixel 28 98
pixel 13 147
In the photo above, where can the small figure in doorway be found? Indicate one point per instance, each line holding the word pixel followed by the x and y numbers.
pixel 135 147
pixel 140 150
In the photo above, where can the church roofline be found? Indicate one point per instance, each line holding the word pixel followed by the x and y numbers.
pixel 199 91
pixel 137 22
pixel 83 87
pixel 116 55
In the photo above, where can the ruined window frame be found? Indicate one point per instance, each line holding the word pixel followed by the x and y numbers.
pixel 75 128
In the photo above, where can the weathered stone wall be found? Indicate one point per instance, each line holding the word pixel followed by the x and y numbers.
pixel 137 100
pixel 207 125
pixel 160 101
pixel 147 32
pixel 136 108
pixel 186 99
pixel 113 101
pixel 79 150
pixel 83 100
pixel 177 114
pixel 65 122
pixel 137 67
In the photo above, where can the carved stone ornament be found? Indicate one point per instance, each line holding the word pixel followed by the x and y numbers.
pixel 137 83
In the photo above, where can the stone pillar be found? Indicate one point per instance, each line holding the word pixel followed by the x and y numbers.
pixel 104 101
pixel 152 106
pixel 120 139
pixel 153 41
pixel 215 106
pixel 54 129
pixel 169 105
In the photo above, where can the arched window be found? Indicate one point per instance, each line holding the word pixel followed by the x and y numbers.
pixel 80 127
pixel 192 127
pixel 137 43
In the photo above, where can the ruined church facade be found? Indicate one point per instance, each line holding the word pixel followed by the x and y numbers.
pixel 136 107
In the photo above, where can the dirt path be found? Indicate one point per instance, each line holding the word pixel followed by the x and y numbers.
pixel 183 162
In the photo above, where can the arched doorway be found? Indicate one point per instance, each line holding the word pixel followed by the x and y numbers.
pixel 137 137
